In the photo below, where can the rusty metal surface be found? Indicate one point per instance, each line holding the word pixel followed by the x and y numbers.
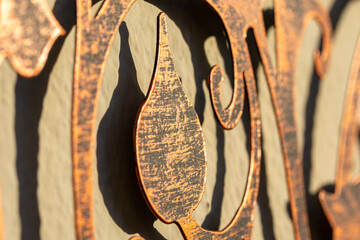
pixel 291 20
pixel 169 142
pixel 342 207
pixel 238 17
pixel 28 31
pixel 92 49
pixel 170 151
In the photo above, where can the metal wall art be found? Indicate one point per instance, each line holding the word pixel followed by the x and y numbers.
pixel 170 152
pixel 169 142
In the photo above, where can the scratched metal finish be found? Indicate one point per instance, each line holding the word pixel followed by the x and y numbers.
pixel 94 36
pixel 28 31
pixel 169 142
pixel 291 20
pixel 238 17
pixel 165 121
pixel 342 207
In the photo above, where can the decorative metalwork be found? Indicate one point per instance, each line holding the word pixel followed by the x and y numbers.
pixel 291 19
pixel 342 207
pixel 237 18
pixel 170 152
pixel 92 50
pixel 169 140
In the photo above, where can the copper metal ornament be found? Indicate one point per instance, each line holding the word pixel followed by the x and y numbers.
pixel 170 146
pixel 291 20
pixel 291 17
pixel 28 31
pixel 342 207
pixel 94 36
pixel 170 152
pixel 238 17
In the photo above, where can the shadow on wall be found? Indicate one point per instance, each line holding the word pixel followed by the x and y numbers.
pixel 116 164
pixel 197 23
pixel 263 197
pixel 29 97
pixel 115 153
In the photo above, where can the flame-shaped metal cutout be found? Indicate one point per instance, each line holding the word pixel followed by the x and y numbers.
pixel 170 146
pixel 93 44
pixel 170 152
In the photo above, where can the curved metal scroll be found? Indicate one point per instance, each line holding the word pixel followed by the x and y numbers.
pixel 92 49
pixel 95 35
pixel 342 207
pixel 238 17
pixel 28 31
pixel 170 152
pixel 291 19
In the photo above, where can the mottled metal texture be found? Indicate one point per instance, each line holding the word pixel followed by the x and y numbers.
pixel 342 207
pixel 28 31
pixel 291 20
pixel 170 151
pixel 95 36
pixel 238 17
pixel 169 142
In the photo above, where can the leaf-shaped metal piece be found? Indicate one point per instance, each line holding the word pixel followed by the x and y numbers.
pixel 342 207
pixel 170 153
pixel 93 44
pixel 28 31
pixel 170 146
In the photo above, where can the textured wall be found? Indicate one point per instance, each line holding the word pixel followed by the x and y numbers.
pixel 35 150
